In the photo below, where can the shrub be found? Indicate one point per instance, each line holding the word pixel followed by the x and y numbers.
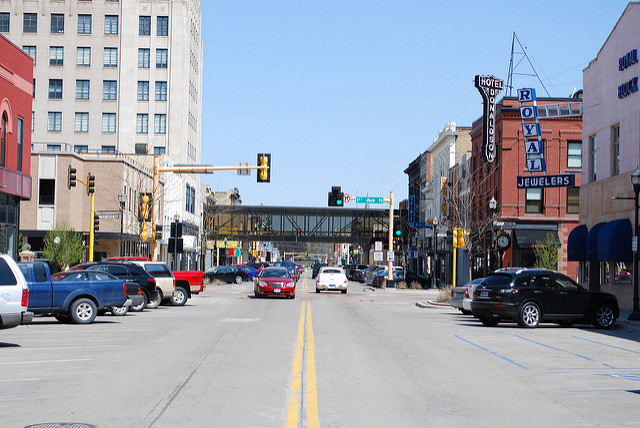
pixel 415 285
pixel 444 294
pixel 401 285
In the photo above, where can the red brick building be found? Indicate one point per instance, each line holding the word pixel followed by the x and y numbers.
pixel 16 94
pixel 525 216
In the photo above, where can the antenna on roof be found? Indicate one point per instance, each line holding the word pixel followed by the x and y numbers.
pixel 512 68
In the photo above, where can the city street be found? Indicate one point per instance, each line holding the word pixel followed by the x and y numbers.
pixel 370 358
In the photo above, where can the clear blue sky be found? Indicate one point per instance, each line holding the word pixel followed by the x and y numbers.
pixel 349 92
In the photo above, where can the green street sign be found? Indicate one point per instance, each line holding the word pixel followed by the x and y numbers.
pixel 369 200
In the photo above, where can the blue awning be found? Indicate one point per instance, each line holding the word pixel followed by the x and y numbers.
pixel 614 241
pixel 577 244
pixel 592 241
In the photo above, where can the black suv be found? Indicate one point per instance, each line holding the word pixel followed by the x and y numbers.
pixel 530 296
pixel 132 273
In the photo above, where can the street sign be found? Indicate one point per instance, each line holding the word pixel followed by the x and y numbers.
pixel 347 198
pixel 390 256
pixel 378 256
pixel 101 216
pixel 369 200
pixel 634 243
pixel 377 246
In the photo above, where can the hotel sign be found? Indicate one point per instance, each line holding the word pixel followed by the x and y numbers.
pixel 489 88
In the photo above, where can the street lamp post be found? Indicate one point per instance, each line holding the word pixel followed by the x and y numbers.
pixel 122 198
pixel 434 275
pixel 493 206
pixel 635 315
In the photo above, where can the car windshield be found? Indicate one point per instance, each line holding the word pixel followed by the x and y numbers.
pixel 275 273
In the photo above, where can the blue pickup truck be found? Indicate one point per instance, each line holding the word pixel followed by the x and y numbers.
pixel 77 299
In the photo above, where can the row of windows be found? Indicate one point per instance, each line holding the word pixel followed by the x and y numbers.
pixel 3 141
pixel 85 23
pixel 534 201
pixel 110 56
pixel 109 89
pixel 615 153
pixel 81 148
pixel 54 122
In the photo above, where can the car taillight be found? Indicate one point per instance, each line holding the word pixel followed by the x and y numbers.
pixel 25 297
pixel 125 289
pixel 152 281
pixel 466 293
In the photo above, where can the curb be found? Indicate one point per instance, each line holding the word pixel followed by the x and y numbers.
pixel 432 304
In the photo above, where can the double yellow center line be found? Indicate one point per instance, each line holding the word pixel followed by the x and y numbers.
pixel 304 363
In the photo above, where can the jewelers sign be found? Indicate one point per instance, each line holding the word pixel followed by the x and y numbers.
pixel 489 88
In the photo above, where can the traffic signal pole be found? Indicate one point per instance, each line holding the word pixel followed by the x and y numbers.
pixel 92 233
pixel 389 261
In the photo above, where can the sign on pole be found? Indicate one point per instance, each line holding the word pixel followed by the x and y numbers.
pixel 369 200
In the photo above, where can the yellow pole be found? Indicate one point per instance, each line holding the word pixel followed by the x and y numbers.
pixel 155 204
pixel 455 252
pixel 91 231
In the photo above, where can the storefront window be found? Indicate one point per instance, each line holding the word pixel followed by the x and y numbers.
pixel 623 273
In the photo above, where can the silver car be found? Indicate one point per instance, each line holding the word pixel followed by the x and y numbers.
pixel 464 293
pixel 15 295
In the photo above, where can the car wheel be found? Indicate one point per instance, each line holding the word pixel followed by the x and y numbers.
pixel 529 315
pixel 465 311
pixel 140 307
pixel 179 297
pixel 344 291
pixel 293 296
pixel 83 311
pixel 63 318
pixel 489 321
pixel 152 304
pixel 238 279
pixel 604 317
pixel 119 311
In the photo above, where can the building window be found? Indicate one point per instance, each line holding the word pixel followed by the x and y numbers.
pixel 108 149
pixel 111 24
pixel 34 89
pixel 615 150
pixel 534 199
pixel 160 123
pixel 593 143
pixel 55 89
pixel 30 23
pixel 3 140
pixel 56 55
pixel 84 24
pixel 142 123
pixel 82 122
pixel 573 200
pixel 161 58
pixel 109 90
pixel 143 90
pixel 57 22
pixel 54 121
pixel 163 26
pixel 159 150
pixel 4 22
pixel 574 154
pixel 143 57
pixel 110 57
pixel 46 191
pixel 161 91
pixel 108 122
pixel 140 149
pixel 20 142
pixel 81 148
pixel 190 199
pixel 31 51
pixel 83 56
pixel 144 26
pixel 82 89
pixel 54 148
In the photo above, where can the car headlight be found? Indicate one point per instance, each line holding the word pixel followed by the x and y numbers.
pixel 263 284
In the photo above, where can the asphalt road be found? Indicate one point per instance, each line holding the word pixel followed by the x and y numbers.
pixel 370 358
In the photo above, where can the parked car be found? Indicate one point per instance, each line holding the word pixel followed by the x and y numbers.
pixel 76 297
pixel 331 278
pixel 274 281
pixel 371 270
pixel 360 275
pixel 229 274
pixel 381 276
pixel 532 296
pixel 316 269
pixel 258 265
pixel 290 266
pixel 249 271
pixel 351 270
pixel 165 281
pixel 15 295
pixel 136 274
pixel 187 283
pixel 410 277
pixel 461 293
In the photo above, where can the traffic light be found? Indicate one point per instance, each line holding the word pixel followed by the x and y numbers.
pixel 91 184
pixel 455 237
pixel 299 232
pixel 336 197
pixel 461 237
pixel 350 249
pixel 264 174
pixel 96 222
pixel 144 234
pixel 153 232
pixel 71 177
pixel 144 207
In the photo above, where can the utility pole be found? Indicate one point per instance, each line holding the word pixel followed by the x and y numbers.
pixel 389 260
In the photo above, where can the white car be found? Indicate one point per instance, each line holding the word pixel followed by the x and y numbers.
pixel 15 295
pixel 331 278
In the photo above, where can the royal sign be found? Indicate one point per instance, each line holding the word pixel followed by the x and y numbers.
pixel 489 88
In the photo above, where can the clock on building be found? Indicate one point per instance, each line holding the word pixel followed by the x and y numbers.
pixel 503 241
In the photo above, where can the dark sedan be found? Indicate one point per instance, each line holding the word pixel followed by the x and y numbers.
pixel 229 274
pixel 274 281
pixel 532 296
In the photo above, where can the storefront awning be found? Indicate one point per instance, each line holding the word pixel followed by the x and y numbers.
pixel 614 241
pixel 592 241
pixel 577 244
pixel 530 238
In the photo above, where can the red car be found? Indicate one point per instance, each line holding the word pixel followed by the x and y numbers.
pixel 274 281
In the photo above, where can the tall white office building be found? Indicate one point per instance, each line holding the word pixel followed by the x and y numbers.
pixel 114 80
